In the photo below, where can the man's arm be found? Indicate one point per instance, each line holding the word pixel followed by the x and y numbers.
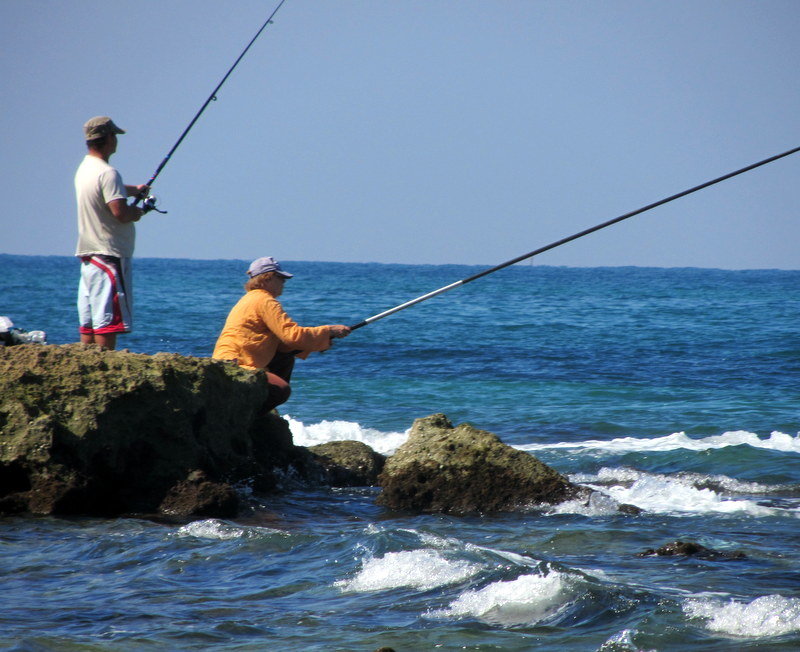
pixel 124 212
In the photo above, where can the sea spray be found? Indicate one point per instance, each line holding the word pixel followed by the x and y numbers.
pixel 319 433
pixel 777 441
pixel 527 600
pixel 766 616
pixel 418 569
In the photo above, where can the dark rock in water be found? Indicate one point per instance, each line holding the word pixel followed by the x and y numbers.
pixel 348 463
pixel 88 431
pixel 197 496
pixel 631 510
pixel 463 470
pixel 690 549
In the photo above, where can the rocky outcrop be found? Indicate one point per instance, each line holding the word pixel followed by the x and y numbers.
pixel 94 432
pixel 463 470
pixel 87 431
pixel 348 463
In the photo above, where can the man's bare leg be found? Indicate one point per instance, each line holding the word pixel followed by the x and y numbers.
pixel 107 341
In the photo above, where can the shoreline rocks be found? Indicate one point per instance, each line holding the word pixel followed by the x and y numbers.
pixel 462 470
pixel 88 431
pixel 85 431
pixel 348 463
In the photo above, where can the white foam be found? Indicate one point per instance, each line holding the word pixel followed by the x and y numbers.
pixel 777 441
pixel 419 569
pixel 527 600
pixel 210 529
pixel 599 504
pixel 385 443
pixel 662 494
pixel 215 529
pixel 771 615
pixel 624 475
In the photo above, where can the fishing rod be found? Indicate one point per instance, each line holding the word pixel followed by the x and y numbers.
pixel 570 238
pixel 150 201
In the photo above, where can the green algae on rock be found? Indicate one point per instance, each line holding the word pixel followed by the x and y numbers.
pixel 465 470
pixel 89 431
pixel 348 463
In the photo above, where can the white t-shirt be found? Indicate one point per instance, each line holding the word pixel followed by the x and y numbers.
pixel 99 232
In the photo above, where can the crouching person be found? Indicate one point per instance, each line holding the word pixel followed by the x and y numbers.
pixel 258 334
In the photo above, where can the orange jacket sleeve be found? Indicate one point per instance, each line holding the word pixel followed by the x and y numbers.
pixel 257 327
pixel 287 331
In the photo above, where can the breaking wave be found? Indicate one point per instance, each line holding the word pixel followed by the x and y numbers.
pixel 418 569
pixel 771 615
pixel 527 600
pixel 777 441
pixel 319 433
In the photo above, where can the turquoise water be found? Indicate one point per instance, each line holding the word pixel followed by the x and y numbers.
pixel 676 390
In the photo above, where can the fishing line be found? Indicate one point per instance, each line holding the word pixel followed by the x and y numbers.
pixel 570 238
pixel 211 98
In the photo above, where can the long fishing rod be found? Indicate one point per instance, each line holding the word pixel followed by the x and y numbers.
pixel 210 99
pixel 570 238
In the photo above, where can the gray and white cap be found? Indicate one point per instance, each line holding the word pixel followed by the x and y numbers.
pixel 264 265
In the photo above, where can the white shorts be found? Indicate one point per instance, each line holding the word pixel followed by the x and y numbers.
pixel 105 299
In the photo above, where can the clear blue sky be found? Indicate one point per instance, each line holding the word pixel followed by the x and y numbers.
pixel 420 131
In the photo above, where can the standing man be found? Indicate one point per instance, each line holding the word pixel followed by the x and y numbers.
pixel 106 237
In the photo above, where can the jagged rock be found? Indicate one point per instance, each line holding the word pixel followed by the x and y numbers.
pixel 88 431
pixel 691 549
pixel 461 470
pixel 348 463
pixel 197 496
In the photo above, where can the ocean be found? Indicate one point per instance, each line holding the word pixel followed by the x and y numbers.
pixel 675 390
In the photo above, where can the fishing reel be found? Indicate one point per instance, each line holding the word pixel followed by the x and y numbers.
pixel 149 204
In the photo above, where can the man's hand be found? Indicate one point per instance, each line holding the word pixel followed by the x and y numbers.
pixel 140 192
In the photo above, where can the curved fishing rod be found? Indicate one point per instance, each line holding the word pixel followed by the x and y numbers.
pixel 570 238
pixel 210 99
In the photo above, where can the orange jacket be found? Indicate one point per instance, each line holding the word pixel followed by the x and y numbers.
pixel 257 327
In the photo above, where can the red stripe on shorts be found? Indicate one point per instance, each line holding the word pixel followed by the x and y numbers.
pixel 116 321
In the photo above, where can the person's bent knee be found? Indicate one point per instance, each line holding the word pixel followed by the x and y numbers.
pixel 279 391
pixel 279 395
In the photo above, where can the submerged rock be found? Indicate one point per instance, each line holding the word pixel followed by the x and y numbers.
pixel 462 470
pixel 89 431
pixel 691 549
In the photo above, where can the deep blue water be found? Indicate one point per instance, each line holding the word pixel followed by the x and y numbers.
pixel 673 389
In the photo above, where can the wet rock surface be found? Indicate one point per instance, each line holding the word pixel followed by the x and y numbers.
pixel 691 549
pixel 348 463
pixel 108 433
pixel 463 470
pixel 199 497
